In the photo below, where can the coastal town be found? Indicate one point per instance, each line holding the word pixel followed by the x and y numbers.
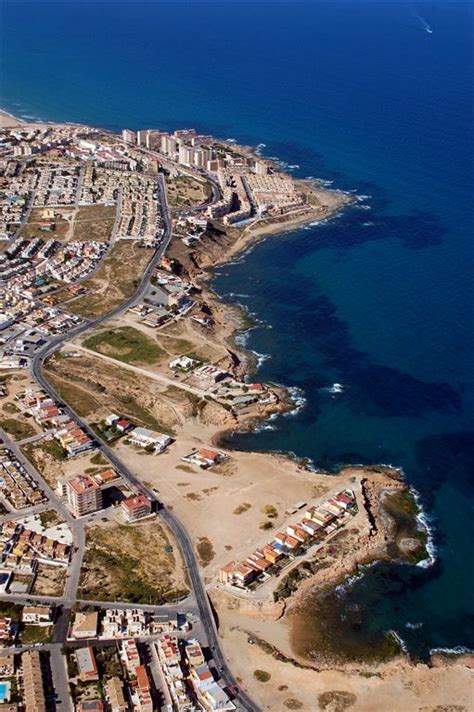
pixel 139 553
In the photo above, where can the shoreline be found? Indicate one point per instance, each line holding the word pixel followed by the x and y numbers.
pixel 244 242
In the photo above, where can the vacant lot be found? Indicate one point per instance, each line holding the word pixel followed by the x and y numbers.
pixel 49 580
pixel 184 339
pixel 184 190
pixel 137 563
pixel 74 394
pixel 47 458
pixel 94 222
pixel 96 390
pixel 17 428
pixel 38 218
pixel 114 282
pixel 32 634
pixel 125 344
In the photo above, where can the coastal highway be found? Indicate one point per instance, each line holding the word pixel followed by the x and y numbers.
pixel 182 537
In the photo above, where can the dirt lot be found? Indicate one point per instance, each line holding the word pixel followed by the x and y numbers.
pixel 115 281
pixel 49 580
pixel 112 571
pixel 48 460
pixel 239 497
pixel 266 482
pixel 183 338
pixel 18 427
pixel 94 222
pixel 96 391
pixel 37 218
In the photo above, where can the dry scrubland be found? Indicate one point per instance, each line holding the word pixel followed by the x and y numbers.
pixel 139 563
pixel 95 390
pixel 115 281
pixel 50 460
pixel 94 222
pixel 139 345
pixel 186 191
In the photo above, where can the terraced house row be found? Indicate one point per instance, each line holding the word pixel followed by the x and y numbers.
pixel 266 560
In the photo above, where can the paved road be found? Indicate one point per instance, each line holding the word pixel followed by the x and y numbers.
pixel 18 514
pixel 193 173
pixel 171 520
pixel 63 702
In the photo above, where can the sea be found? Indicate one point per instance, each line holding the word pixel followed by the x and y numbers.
pixel 375 97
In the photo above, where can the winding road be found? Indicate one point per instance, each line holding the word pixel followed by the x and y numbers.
pixel 182 537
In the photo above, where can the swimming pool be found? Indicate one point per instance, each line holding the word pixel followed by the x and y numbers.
pixel 4 691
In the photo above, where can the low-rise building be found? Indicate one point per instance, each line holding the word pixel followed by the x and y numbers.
pixel 38 615
pixel 5 628
pixel 90 706
pixel 85 625
pixel 114 695
pixel 33 689
pixel 145 703
pixel 204 457
pixel 183 363
pixel 136 507
pixel 143 437
pixel 86 664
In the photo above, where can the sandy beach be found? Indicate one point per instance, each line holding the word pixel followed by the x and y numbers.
pixel 8 120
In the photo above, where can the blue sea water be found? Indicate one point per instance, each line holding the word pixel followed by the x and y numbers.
pixel 379 300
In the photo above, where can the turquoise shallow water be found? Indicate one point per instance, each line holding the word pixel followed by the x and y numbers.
pixel 379 300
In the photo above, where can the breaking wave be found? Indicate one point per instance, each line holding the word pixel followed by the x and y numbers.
pixel 427 525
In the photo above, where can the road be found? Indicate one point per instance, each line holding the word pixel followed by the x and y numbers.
pixel 63 702
pixel 169 518
pixel 193 173
pixel 174 382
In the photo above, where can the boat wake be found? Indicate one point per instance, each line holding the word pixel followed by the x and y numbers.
pixel 424 24
pixel 261 358
pixel 334 389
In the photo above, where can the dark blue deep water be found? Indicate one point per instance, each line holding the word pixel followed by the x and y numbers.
pixel 379 300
